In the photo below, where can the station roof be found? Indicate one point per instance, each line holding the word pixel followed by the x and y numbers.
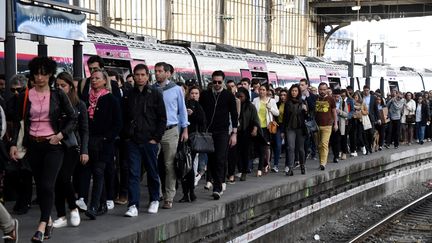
pixel 340 11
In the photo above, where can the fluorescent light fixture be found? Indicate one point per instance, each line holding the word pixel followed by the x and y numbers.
pixel 356 8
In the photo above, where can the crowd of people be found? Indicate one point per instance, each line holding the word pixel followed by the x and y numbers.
pixel 67 134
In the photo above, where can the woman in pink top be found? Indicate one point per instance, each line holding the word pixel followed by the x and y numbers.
pixel 48 117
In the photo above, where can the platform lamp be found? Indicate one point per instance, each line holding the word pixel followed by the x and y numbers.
pixel 356 7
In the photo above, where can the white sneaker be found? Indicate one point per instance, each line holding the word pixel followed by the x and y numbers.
pixel 286 169
pixel 197 179
pixel 208 186
pixel 75 219
pixel 275 169
pixel 364 150
pixel 223 186
pixel 60 223
pixel 131 212
pixel 154 207
pixel 238 175
pixel 110 204
pixel 354 154
pixel 81 204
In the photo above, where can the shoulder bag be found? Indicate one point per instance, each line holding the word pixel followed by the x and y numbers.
pixel 202 142
pixel 273 125
pixel 21 149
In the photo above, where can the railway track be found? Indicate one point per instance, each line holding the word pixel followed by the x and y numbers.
pixel 412 223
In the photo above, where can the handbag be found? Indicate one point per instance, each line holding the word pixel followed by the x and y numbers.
pixel 366 122
pixel 201 142
pixel 311 126
pixel 409 119
pixel 272 127
pixel 183 160
pixel 21 149
pixel 70 141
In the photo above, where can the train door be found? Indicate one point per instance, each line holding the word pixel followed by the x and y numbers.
pixel 273 79
pixel 263 76
pixel 245 73
pixel 393 85
pixel 334 82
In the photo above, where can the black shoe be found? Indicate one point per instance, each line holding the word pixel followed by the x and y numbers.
pixel 302 169
pixel 38 237
pixel 192 196
pixel 91 213
pixel 243 177
pixel 396 147
pixel 185 198
pixel 322 167
pixel 421 142
pixel 48 231
pixel 103 209
pixel 20 210
pixel 216 195
pixel 290 172
pixel 336 160
pixel 380 148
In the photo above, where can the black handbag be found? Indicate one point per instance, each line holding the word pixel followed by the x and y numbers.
pixel 70 141
pixel 183 160
pixel 311 126
pixel 201 142
pixel 410 119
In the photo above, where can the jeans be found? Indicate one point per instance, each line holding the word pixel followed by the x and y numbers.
pixel 122 169
pixel 218 159
pixel 244 141
pixel 335 141
pixel 142 154
pixel 99 159
pixel 45 160
pixel 277 146
pixel 202 163
pixel 295 141
pixel 169 145
pixel 420 131
pixel 64 188
pixel 232 160
pixel 323 144
pixel 394 132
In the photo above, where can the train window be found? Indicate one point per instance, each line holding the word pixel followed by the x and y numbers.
pixel 334 82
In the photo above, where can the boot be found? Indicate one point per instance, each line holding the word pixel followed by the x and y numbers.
pixel 302 169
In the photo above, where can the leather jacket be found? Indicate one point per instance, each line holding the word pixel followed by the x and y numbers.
pixel 63 117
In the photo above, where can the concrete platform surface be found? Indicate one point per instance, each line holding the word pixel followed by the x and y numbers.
pixel 113 227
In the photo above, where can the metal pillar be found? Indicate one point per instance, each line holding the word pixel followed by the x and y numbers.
pixel 169 20
pixel 368 64
pixel 10 47
pixel 382 87
pixel 351 66
pixel 77 59
pixel 42 47
pixel 269 20
pixel 104 14
pixel 222 24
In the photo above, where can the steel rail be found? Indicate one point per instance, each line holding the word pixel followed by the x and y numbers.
pixel 367 232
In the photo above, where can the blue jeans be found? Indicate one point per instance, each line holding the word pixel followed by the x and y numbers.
pixel 145 154
pixel 420 131
pixel 277 146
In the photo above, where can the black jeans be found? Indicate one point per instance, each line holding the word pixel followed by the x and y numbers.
pixel 394 133
pixel 244 141
pixel 101 155
pixel 122 169
pixel 45 160
pixel 217 161
pixel 64 188
pixel 381 131
pixel 232 160
pixel 335 141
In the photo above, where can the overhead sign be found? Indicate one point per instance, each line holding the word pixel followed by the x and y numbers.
pixel 2 20
pixel 50 22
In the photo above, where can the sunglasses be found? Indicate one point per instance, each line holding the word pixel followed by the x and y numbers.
pixel 18 90
pixel 217 82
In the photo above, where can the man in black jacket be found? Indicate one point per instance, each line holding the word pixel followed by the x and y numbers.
pixel 218 105
pixel 145 121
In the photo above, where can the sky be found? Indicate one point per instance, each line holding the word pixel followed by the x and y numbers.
pixel 406 41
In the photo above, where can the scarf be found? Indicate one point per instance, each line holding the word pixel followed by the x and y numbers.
pixel 93 99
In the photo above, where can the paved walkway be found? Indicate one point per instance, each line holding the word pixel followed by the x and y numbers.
pixel 109 227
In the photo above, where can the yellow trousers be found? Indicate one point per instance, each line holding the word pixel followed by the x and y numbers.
pixel 323 143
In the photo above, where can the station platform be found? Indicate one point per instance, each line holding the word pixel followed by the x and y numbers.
pixel 247 210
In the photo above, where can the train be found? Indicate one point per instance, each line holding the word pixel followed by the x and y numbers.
pixel 195 63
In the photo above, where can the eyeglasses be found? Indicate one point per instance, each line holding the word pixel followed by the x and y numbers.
pixel 217 82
